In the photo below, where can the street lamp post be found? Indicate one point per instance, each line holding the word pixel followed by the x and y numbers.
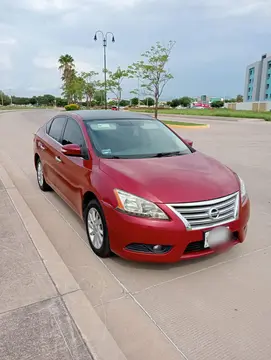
pixel 104 38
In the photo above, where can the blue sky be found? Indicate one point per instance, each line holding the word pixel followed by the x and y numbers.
pixel 215 40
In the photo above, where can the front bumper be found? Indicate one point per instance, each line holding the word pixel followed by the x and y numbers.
pixel 132 237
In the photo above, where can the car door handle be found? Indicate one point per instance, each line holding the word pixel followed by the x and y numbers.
pixel 58 159
pixel 42 147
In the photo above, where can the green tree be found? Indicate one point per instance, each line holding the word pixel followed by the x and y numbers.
pixel 152 70
pixel 4 99
pixel 61 102
pixel 67 68
pixel 217 104
pixel 90 86
pixel 134 101
pixel 115 81
pixel 124 102
pixel 239 98
pixel 98 97
pixel 16 100
pixel 48 100
pixel 185 101
pixel 175 102
pixel 135 92
pixel 148 101
pixel 135 71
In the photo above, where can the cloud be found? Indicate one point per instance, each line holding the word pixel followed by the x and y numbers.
pixel 5 62
pixel 215 40
pixel 7 41
pixel 68 5
pixel 44 62
pixel 45 5
pixel 232 8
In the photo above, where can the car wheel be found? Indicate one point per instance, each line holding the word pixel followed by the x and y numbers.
pixel 97 229
pixel 40 177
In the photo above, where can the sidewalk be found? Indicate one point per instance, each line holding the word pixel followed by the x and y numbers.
pixel 44 315
pixel 34 322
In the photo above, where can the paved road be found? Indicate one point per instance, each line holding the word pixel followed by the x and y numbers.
pixel 215 308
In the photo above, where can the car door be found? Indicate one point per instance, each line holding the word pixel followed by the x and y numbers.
pixel 51 150
pixel 75 171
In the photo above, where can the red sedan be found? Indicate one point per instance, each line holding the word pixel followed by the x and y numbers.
pixel 143 192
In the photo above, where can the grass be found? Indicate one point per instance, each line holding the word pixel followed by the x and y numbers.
pixel 213 112
pixel 15 107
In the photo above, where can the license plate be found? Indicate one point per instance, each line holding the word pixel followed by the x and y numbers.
pixel 206 235
pixel 206 244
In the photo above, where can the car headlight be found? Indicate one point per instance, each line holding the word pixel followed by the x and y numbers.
pixel 137 206
pixel 243 190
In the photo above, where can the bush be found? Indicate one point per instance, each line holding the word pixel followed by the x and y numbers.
pixel 72 107
pixel 217 104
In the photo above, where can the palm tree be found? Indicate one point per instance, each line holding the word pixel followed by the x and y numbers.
pixel 67 68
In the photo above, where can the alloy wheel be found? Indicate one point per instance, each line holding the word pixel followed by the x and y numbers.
pixel 40 174
pixel 95 228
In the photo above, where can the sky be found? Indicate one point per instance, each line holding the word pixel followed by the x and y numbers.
pixel 215 41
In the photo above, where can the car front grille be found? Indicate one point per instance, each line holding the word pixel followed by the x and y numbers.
pixel 208 214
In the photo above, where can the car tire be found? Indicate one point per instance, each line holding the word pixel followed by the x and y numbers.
pixel 40 177
pixel 96 228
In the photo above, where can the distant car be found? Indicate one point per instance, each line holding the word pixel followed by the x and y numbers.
pixel 142 190
pixel 201 106
pixel 115 108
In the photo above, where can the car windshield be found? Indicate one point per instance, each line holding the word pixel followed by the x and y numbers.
pixel 134 138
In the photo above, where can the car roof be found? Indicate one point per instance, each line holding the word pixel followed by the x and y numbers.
pixel 87 115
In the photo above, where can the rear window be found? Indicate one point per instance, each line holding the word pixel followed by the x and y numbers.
pixel 56 128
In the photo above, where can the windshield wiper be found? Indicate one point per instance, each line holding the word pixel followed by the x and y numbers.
pixel 113 157
pixel 167 154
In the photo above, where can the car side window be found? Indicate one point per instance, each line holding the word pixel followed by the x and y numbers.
pixel 73 134
pixel 48 126
pixel 56 128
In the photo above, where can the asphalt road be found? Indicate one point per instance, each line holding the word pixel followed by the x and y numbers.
pixel 215 308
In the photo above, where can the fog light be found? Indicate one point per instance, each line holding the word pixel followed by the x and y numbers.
pixel 157 248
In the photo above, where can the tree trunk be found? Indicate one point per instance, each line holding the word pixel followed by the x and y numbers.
pixel 156 108
pixel 119 97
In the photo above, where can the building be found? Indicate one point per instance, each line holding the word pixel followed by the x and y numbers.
pixel 258 80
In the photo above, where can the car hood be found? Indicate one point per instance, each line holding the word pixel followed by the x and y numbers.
pixel 187 178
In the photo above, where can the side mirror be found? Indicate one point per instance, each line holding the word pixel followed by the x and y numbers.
pixel 71 150
pixel 188 142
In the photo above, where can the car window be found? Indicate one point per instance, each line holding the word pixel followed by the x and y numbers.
pixel 48 126
pixel 134 138
pixel 73 134
pixel 57 127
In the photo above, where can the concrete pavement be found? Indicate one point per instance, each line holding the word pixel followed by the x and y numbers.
pixel 43 313
pixel 34 322
pixel 215 308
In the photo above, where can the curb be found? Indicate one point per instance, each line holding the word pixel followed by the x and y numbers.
pixel 206 117
pixel 188 126
pixel 91 327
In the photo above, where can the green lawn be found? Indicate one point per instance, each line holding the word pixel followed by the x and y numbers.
pixel 15 107
pixel 213 112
